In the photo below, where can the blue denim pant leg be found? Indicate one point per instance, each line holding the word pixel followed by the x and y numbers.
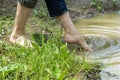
pixel 55 7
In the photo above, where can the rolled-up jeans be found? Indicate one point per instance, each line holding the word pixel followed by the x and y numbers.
pixel 55 7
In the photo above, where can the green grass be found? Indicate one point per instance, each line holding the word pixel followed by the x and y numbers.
pixel 52 60
pixel 48 60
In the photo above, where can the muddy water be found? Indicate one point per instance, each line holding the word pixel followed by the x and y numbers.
pixel 103 35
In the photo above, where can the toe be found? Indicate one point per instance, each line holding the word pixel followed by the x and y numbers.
pixel 87 49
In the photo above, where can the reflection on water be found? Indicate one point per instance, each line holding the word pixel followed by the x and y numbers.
pixel 103 35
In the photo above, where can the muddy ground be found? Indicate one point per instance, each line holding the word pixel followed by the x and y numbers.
pixel 77 8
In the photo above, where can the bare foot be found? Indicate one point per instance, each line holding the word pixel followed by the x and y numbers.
pixel 22 40
pixel 76 38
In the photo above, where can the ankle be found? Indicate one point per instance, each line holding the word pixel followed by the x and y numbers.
pixel 16 34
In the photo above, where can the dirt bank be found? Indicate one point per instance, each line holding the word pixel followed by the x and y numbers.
pixel 77 8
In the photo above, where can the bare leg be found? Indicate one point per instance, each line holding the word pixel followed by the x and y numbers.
pixel 22 15
pixel 71 33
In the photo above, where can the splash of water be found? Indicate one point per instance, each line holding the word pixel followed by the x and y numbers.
pixel 103 35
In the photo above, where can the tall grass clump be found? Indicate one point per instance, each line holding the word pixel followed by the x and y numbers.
pixel 51 60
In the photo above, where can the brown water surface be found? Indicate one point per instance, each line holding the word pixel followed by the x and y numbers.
pixel 103 35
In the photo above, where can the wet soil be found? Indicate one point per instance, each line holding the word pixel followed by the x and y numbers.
pixel 9 8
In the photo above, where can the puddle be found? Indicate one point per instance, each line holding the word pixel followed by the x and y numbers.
pixel 102 33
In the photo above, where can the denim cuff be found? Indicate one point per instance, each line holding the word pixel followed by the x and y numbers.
pixel 28 3
pixel 56 7
pixel 59 14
